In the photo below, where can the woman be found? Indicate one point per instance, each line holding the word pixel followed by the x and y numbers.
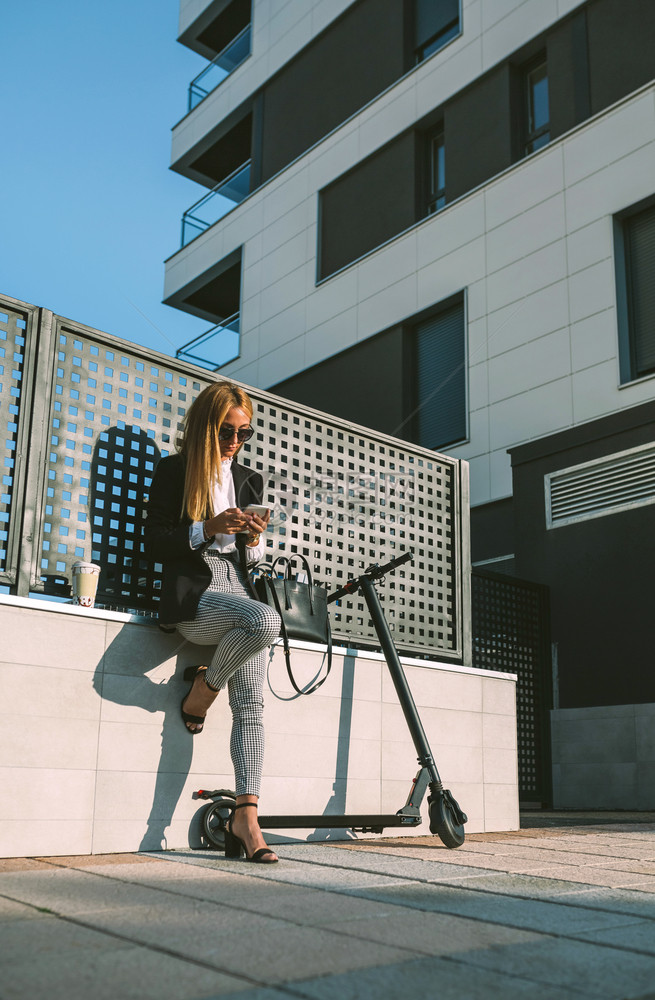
pixel 195 511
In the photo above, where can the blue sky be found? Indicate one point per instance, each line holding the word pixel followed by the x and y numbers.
pixel 89 210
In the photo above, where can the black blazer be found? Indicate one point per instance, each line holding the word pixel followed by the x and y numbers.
pixel 186 575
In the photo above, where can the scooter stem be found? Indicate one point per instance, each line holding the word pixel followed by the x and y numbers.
pixel 405 698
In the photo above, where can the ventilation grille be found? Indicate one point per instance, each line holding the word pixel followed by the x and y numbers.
pixel 624 480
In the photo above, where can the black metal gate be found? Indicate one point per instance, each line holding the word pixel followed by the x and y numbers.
pixel 511 632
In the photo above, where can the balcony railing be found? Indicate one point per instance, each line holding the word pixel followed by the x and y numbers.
pixel 227 350
pixel 216 203
pixel 219 68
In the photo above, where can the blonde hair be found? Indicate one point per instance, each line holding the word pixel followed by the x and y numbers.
pixel 200 445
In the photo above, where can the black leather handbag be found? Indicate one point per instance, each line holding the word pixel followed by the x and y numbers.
pixel 301 606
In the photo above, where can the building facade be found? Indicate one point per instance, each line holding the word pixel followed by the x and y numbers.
pixel 437 218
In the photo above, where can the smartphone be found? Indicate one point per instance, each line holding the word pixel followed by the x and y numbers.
pixel 256 509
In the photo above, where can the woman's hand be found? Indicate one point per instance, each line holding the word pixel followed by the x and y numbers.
pixel 228 522
pixel 257 525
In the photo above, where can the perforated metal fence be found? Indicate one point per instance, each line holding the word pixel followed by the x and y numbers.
pixel 511 632
pixel 95 413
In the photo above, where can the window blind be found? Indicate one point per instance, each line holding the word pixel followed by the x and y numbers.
pixel 640 260
pixel 433 17
pixel 440 378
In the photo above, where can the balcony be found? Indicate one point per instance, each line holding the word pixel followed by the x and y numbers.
pixel 227 194
pixel 228 348
pixel 220 67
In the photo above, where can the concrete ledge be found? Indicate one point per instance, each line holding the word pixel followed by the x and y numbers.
pixel 102 763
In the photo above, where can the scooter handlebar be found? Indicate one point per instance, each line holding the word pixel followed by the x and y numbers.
pixel 372 573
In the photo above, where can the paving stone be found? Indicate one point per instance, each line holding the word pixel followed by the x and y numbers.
pixel 428 977
pixel 526 914
pixel 72 892
pixel 624 901
pixel 437 933
pixel 98 860
pixel 20 864
pixel 589 875
pixel 11 910
pixel 23 940
pixel 543 886
pixel 260 993
pixel 606 971
pixel 125 971
pixel 297 904
pixel 295 873
pixel 378 863
pixel 223 937
pixel 158 871
pixel 636 936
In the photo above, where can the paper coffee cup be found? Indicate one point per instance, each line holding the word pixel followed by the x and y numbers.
pixel 85 583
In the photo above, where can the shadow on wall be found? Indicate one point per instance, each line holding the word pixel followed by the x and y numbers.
pixel 121 472
pixel 130 675
pixel 337 802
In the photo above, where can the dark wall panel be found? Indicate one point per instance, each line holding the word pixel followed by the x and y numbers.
pixel 478 131
pixel 233 19
pixel 568 74
pixel 228 153
pixel 349 64
pixel 492 530
pixel 621 48
pixel 599 571
pixel 368 205
pixel 362 384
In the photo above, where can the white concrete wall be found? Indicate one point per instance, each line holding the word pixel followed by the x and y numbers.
pixel 604 758
pixel 533 248
pixel 94 757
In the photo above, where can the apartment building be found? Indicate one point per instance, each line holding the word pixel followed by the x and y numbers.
pixel 437 218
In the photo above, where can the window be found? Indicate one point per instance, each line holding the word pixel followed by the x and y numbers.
pixel 435 23
pixel 439 375
pixel 436 171
pixel 635 265
pixel 536 106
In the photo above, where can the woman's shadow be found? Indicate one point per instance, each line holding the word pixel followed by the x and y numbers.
pixel 131 672
pixel 130 675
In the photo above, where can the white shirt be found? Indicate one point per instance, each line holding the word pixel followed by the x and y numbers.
pixel 224 497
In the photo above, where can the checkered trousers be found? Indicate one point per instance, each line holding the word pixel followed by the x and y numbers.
pixel 241 629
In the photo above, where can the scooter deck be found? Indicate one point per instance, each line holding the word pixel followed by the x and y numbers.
pixel 373 823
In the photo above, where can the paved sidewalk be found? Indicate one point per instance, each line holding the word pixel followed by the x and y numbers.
pixel 563 908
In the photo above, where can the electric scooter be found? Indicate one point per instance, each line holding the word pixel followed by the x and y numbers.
pixel 446 817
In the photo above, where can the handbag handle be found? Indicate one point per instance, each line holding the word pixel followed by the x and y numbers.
pixel 267 573
pixel 287 577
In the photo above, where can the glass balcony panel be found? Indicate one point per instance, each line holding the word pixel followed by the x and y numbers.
pixel 218 202
pixel 219 68
pixel 225 347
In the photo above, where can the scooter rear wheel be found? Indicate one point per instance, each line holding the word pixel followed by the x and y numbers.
pixel 444 823
pixel 214 819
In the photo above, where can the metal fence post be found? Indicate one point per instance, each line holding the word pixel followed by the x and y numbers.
pixel 37 401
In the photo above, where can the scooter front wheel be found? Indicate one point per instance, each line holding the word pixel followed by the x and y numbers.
pixel 446 819
pixel 214 819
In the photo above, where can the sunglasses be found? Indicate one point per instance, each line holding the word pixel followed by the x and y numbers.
pixel 226 433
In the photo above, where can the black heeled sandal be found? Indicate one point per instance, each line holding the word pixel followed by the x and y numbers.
pixel 190 674
pixel 234 845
